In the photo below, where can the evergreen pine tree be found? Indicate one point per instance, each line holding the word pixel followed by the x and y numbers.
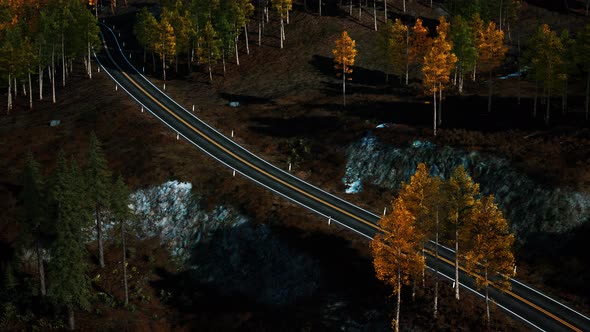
pixel 98 180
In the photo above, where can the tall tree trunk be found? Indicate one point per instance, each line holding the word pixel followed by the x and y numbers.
pixel 434 98
pixel 71 322
pixel 125 286
pixel 164 66
pixel 474 70
pixel 39 252
pixel 360 9
pixel 385 11
pixel 209 66
pixel 407 55
pixel 488 319
pixel 153 61
pixel 89 62
pixel 404 6
pixel 350 8
pixel 259 33
pixel 343 86
pixel 320 6
pixel 490 90
pixel 99 236
pixel 15 87
pixel 435 312
pixel 63 60
pixel 9 106
pixel 246 36
pixel 587 6
pixel 282 27
pixel 457 259
pixel 287 17
pixel 40 83
pixel 30 91
pixel 236 47
pixel 374 13
pixel 52 69
pixel 399 296
pixel 223 61
pixel 501 5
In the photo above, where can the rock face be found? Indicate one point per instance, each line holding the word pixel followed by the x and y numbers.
pixel 222 249
pixel 529 206
pixel 171 212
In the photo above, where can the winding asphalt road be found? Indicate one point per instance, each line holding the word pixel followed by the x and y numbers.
pixel 531 306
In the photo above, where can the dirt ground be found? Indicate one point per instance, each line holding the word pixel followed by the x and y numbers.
pixel 287 95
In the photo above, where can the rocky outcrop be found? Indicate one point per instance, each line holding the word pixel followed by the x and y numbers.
pixel 529 206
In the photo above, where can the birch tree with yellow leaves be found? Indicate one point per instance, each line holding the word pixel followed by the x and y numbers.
pixel 344 55
pixel 438 63
pixel 490 254
pixel 419 44
pixel 491 51
pixel 422 198
pixel 396 254
pixel 283 7
pixel 397 46
pixel 165 45
pixel 460 192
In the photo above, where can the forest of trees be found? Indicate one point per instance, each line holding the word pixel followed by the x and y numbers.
pixel 58 211
pixel 452 212
pixel 37 37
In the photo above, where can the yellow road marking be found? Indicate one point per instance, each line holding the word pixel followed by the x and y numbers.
pixel 259 170
pixel 525 301
pixel 316 198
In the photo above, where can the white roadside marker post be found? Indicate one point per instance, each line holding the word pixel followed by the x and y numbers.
pixel 193 108
pixel 177 136
pixel 385 210
pixel 289 167
pixel 329 220
pixel 116 87
pixel 164 86
pixel 232 134
pixel 141 109
pixel 234 173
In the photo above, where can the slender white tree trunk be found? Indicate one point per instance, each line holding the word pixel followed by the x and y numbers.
pixel 374 13
pixel 71 321
pixel 320 6
pixel 343 86
pixel 434 99
pixel 435 312
pixel 125 286
pixel 89 62
pixel 456 260
pixel 63 60
pixel 164 65
pixel 350 8
pixel 287 17
pixel 236 47
pixel 489 321
pixel 40 83
pixel 246 36
pixel 41 268
pixel 15 87
pixel 404 6
pixel 385 13
pixel 30 91
pixel 399 296
pixel 9 106
pixel 99 236
pixel 360 9
pixel 260 33
pixel 282 34
pixel 223 61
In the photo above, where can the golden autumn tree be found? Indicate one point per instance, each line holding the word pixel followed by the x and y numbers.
pixel 165 45
pixel 460 194
pixel 395 252
pixel 419 43
pixel 490 254
pixel 344 54
pixel 422 198
pixel 438 63
pixel 491 51
pixel 283 7
pixel 397 38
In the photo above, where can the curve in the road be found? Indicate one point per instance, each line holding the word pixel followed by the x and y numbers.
pixel 285 184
